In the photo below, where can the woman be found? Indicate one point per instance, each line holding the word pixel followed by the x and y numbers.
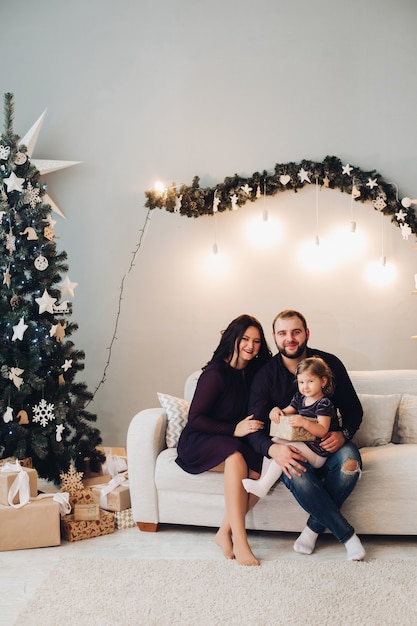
pixel 214 436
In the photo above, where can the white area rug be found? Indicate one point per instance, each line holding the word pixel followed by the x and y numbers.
pixel 208 593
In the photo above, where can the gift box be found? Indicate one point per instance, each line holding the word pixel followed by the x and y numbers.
pixel 35 525
pixel 27 462
pixel 284 430
pixel 124 519
pixel 76 531
pixel 86 512
pixel 116 461
pixel 84 496
pixel 7 479
pixel 116 500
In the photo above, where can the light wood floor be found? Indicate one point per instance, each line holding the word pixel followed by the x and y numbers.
pixel 23 571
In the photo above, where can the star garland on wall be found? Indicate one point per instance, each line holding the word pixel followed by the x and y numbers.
pixel 235 191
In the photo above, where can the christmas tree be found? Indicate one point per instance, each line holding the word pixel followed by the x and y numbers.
pixel 42 408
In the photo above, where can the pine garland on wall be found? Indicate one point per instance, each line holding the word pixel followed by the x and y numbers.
pixel 235 191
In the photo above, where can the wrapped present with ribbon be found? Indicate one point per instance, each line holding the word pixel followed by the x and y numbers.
pixel 35 525
pixel 113 495
pixel 115 463
pixel 17 484
pixel 26 462
pixel 76 531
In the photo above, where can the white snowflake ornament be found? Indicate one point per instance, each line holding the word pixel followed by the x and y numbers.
pixel 43 413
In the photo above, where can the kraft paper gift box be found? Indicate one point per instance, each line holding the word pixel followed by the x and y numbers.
pixel 113 496
pixel 27 462
pixel 116 461
pixel 35 525
pixel 124 519
pixel 76 531
pixel 7 479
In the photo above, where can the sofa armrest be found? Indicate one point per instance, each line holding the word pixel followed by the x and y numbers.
pixel 145 440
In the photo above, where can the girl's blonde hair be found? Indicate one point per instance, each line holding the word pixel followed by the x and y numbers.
pixel 317 366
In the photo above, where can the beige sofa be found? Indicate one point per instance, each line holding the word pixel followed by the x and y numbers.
pixel 383 502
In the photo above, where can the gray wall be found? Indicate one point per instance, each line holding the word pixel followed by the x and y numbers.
pixel 170 89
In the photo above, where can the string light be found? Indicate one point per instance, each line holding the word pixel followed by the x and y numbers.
pixel 142 233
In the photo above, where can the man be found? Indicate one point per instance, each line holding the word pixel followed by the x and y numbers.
pixel 320 492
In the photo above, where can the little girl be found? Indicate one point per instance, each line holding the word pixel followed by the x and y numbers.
pixel 310 409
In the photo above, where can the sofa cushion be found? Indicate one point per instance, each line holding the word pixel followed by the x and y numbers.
pixel 378 419
pixel 406 428
pixel 177 415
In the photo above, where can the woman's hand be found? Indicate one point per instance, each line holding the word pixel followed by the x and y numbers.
pixel 247 426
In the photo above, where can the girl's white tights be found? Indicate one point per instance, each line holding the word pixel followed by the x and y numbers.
pixel 271 471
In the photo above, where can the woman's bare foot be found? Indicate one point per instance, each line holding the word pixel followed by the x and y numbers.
pixel 224 541
pixel 244 555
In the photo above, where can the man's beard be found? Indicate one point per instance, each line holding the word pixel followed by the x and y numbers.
pixel 296 354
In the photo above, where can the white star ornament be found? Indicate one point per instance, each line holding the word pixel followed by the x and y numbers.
pixel 46 303
pixel 19 330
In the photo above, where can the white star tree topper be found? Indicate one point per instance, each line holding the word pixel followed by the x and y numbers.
pixel 44 166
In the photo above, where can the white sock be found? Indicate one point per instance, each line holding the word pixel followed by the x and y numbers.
pixel 306 542
pixel 256 487
pixel 355 549
pixel 271 471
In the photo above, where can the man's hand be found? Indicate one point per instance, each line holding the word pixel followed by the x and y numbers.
pixel 288 458
pixel 333 441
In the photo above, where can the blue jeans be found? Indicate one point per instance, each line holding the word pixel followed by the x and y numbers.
pixel 322 492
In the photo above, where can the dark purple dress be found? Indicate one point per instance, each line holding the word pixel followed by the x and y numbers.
pixel 219 403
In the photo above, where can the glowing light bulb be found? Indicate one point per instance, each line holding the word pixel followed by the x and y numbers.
pixel 159 187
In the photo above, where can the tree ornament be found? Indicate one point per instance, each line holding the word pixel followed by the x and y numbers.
pixel 23 417
pixel 8 415
pixel 61 308
pixel 30 232
pixel 41 263
pixel 67 365
pixel 10 241
pixel 284 179
pixel 233 198
pixel 20 158
pixel 32 195
pixel 346 169
pixel 6 277
pixel 43 413
pixel 13 183
pixel 48 233
pixel 14 376
pixel 216 202
pixel 15 302
pixel 4 152
pixel 58 432
pixel 19 330
pixel 45 303
pixel 58 331
pixel 66 287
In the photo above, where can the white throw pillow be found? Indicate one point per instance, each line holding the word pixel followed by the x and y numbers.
pixel 378 419
pixel 407 419
pixel 177 414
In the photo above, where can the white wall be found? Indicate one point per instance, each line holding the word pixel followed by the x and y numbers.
pixel 146 90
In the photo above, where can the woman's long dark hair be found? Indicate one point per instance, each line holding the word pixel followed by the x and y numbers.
pixel 232 337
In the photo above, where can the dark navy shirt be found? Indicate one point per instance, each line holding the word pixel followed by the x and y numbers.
pixel 274 386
